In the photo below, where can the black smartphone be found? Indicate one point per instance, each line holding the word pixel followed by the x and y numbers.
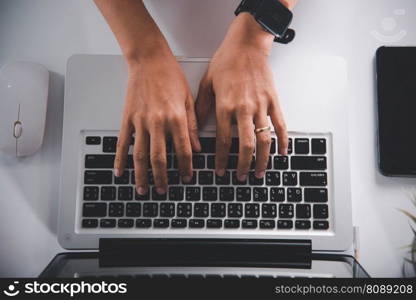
pixel 396 88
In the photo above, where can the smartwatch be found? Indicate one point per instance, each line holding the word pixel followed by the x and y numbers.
pixel 272 15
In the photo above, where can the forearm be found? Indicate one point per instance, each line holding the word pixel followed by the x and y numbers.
pixel 135 30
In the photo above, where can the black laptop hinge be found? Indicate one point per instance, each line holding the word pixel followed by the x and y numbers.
pixel 205 252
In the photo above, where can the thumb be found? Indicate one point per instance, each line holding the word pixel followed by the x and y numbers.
pixel 204 102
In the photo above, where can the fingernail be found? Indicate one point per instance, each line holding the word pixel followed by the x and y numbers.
pixel 141 191
pixel 160 191
pixel 117 172
pixel 221 172
pixel 186 179
pixel 260 174
pixel 242 177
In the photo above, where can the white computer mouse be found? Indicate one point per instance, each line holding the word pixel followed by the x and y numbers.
pixel 24 90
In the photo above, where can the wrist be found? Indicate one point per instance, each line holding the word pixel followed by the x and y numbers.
pixel 145 51
pixel 246 32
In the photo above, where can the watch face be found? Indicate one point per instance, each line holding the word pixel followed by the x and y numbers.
pixel 274 16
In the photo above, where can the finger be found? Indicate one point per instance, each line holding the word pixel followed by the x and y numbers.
pixel 192 125
pixel 158 156
pixel 223 141
pixel 141 160
pixel 279 125
pixel 263 143
pixel 246 148
pixel 204 102
pixel 123 143
pixel 183 148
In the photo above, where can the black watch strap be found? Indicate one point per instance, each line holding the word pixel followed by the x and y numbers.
pixel 251 6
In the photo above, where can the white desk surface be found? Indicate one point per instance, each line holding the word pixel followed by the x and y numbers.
pixel 49 31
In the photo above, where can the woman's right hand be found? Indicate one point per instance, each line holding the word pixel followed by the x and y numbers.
pixel 158 104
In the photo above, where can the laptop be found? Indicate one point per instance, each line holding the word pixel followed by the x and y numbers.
pixel 304 197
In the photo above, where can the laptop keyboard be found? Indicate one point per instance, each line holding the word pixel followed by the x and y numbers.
pixel 293 196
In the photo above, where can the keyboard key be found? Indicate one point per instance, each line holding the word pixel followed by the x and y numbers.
pixel 93 140
pixel 196 223
pixel 320 225
pixel 169 146
pixel 273 178
pixel 201 210
pixel 193 193
pixel 125 223
pixel 143 223
pixel 230 223
pixel 269 163
pixel 252 210
pixel 90 193
pixel 316 195
pixel 223 180
pixel 158 197
pixel 236 181
pixel 313 179
pixel 167 210
pixel 290 146
pixel 142 197
pixel 308 163
pixel 294 194
pixel 267 224
pixel 301 146
pixel 268 211
pixel 161 223
pixel 234 145
pixel 198 162
pixel 320 211
pixel 193 180
pixel 184 210
pixel 235 210
pixel 277 194
pixel 99 161
pixel 253 180
pixel 301 224
pixel 89 223
pixel 290 178
pixel 107 223
pixel 207 144
pixel 232 162
pixel 211 162
pixel 123 179
pixel 150 209
pixel 176 193
pixel 210 193
pixel 98 177
pixel 169 162
pixel 108 193
pixel 226 193
pixel 303 211
pixel 214 223
pixel 125 193
pixel 206 177
pixel 273 146
pixel 249 224
pixel 243 194
pixel 173 177
pixel 286 211
pixel 218 210
pixel 133 210
pixel 178 223
pixel 318 146
pixel 281 162
pixel 260 194
pixel 284 224
pixel 116 209
pixel 109 144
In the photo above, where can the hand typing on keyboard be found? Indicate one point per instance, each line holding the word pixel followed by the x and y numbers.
pixel 240 79
pixel 158 99
pixel 159 103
